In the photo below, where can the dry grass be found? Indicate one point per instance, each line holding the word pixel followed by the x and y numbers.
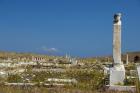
pixel 6 89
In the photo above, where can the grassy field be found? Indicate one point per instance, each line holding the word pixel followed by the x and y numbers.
pixel 5 89
pixel 90 77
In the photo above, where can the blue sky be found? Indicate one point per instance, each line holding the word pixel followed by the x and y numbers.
pixel 78 27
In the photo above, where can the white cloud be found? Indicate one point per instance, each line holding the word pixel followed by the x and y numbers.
pixel 44 48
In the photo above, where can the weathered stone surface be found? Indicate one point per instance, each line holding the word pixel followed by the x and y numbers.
pixel 138 69
pixel 116 76
pixel 127 59
pixel 117 42
pixel 117 72
pixel 131 89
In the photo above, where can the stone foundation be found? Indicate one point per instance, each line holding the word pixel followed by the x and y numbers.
pixel 117 76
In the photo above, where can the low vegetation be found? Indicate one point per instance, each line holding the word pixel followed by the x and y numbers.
pixel 88 74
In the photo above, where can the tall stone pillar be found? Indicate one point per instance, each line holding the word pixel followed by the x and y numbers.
pixel 117 39
pixel 127 59
pixel 117 72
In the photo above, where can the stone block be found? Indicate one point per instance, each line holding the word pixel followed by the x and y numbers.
pixel 117 76
pixel 138 69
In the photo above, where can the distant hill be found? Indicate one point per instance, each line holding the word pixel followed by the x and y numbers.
pixel 132 57
pixel 15 55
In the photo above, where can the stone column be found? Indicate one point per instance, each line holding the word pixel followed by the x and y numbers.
pixel 117 39
pixel 117 72
pixel 127 59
